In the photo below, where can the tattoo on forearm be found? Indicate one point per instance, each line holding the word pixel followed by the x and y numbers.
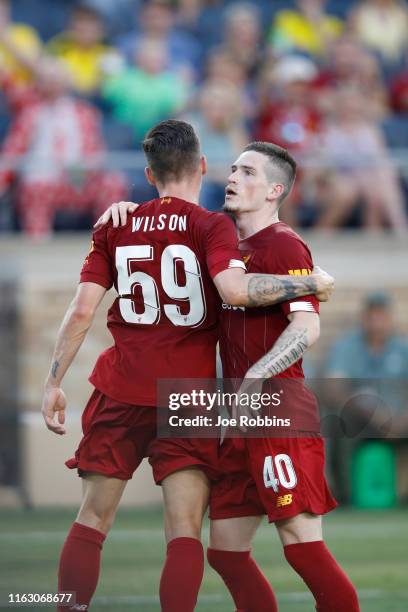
pixel 54 369
pixel 288 349
pixel 267 289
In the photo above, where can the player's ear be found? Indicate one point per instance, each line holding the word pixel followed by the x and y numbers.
pixel 203 163
pixel 149 176
pixel 276 190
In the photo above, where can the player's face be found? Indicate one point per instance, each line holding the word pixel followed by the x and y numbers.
pixel 248 187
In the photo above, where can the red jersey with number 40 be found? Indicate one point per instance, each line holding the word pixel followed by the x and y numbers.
pixel 165 319
pixel 248 334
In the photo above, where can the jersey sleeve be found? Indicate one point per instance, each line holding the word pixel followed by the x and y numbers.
pixel 222 250
pixel 97 267
pixel 293 257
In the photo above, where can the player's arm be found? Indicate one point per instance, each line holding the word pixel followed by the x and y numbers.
pixel 77 321
pixel 239 289
pixel 302 331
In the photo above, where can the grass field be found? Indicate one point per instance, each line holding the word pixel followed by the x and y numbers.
pixel 372 546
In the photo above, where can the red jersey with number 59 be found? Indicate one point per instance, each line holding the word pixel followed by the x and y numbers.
pixel 165 319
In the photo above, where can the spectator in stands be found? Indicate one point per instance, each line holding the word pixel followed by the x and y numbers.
pixel 157 22
pixel 357 169
pixel 117 14
pixel 55 141
pixel 82 49
pixel 219 122
pixel 288 116
pixel 201 18
pixel 308 29
pixel 373 350
pixel 350 64
pixel 399 90
pixel 243 36
pixel 222 66
pixel 382 25
pixel 147 92
pixel 23 37
pixel 188 15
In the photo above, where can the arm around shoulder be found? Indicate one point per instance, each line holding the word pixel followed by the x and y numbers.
pixel 239 289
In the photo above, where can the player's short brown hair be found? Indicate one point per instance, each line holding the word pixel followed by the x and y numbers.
pixel 172 150
pixel 283 166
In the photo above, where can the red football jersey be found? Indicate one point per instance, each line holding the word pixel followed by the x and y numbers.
pixel 165 319
pixel 248 334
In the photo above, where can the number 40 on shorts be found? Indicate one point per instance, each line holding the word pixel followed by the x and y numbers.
pixel 285 473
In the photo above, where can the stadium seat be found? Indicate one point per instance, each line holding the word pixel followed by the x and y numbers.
pixel 118 136
pixel 341 8
pixel 48 16
pixel 396 132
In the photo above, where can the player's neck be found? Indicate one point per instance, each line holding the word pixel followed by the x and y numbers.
pixel 183 190
pixel 250 223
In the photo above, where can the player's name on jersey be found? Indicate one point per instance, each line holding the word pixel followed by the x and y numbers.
pixel 160 222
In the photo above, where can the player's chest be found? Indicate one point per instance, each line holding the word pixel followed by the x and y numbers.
pixel 253 260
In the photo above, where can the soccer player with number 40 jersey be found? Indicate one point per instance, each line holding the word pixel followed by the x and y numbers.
pixel 169 264
pixel 282 477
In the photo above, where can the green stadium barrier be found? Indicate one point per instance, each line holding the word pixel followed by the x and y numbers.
pixel 373 476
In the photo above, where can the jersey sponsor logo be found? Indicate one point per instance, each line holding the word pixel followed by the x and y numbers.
pixel 300 272
pixel 91 250
pixel 284 500
pixel 229 307
pixel 161 222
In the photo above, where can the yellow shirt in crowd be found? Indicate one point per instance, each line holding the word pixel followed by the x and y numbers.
pixel 86 65
pixel 293 30
pixel 26 40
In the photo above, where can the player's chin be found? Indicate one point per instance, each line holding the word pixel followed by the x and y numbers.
pixel 230 206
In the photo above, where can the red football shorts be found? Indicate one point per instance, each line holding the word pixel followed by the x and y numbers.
pixel 280 477
pixel 117 437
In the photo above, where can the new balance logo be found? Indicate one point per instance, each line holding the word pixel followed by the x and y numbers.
pixel 284 500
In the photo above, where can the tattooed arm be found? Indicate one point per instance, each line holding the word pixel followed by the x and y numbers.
pixel 71 334
pixel 300 334
pixel 239 289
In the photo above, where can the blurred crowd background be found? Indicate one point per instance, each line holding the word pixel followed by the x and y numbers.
pixel 81 82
